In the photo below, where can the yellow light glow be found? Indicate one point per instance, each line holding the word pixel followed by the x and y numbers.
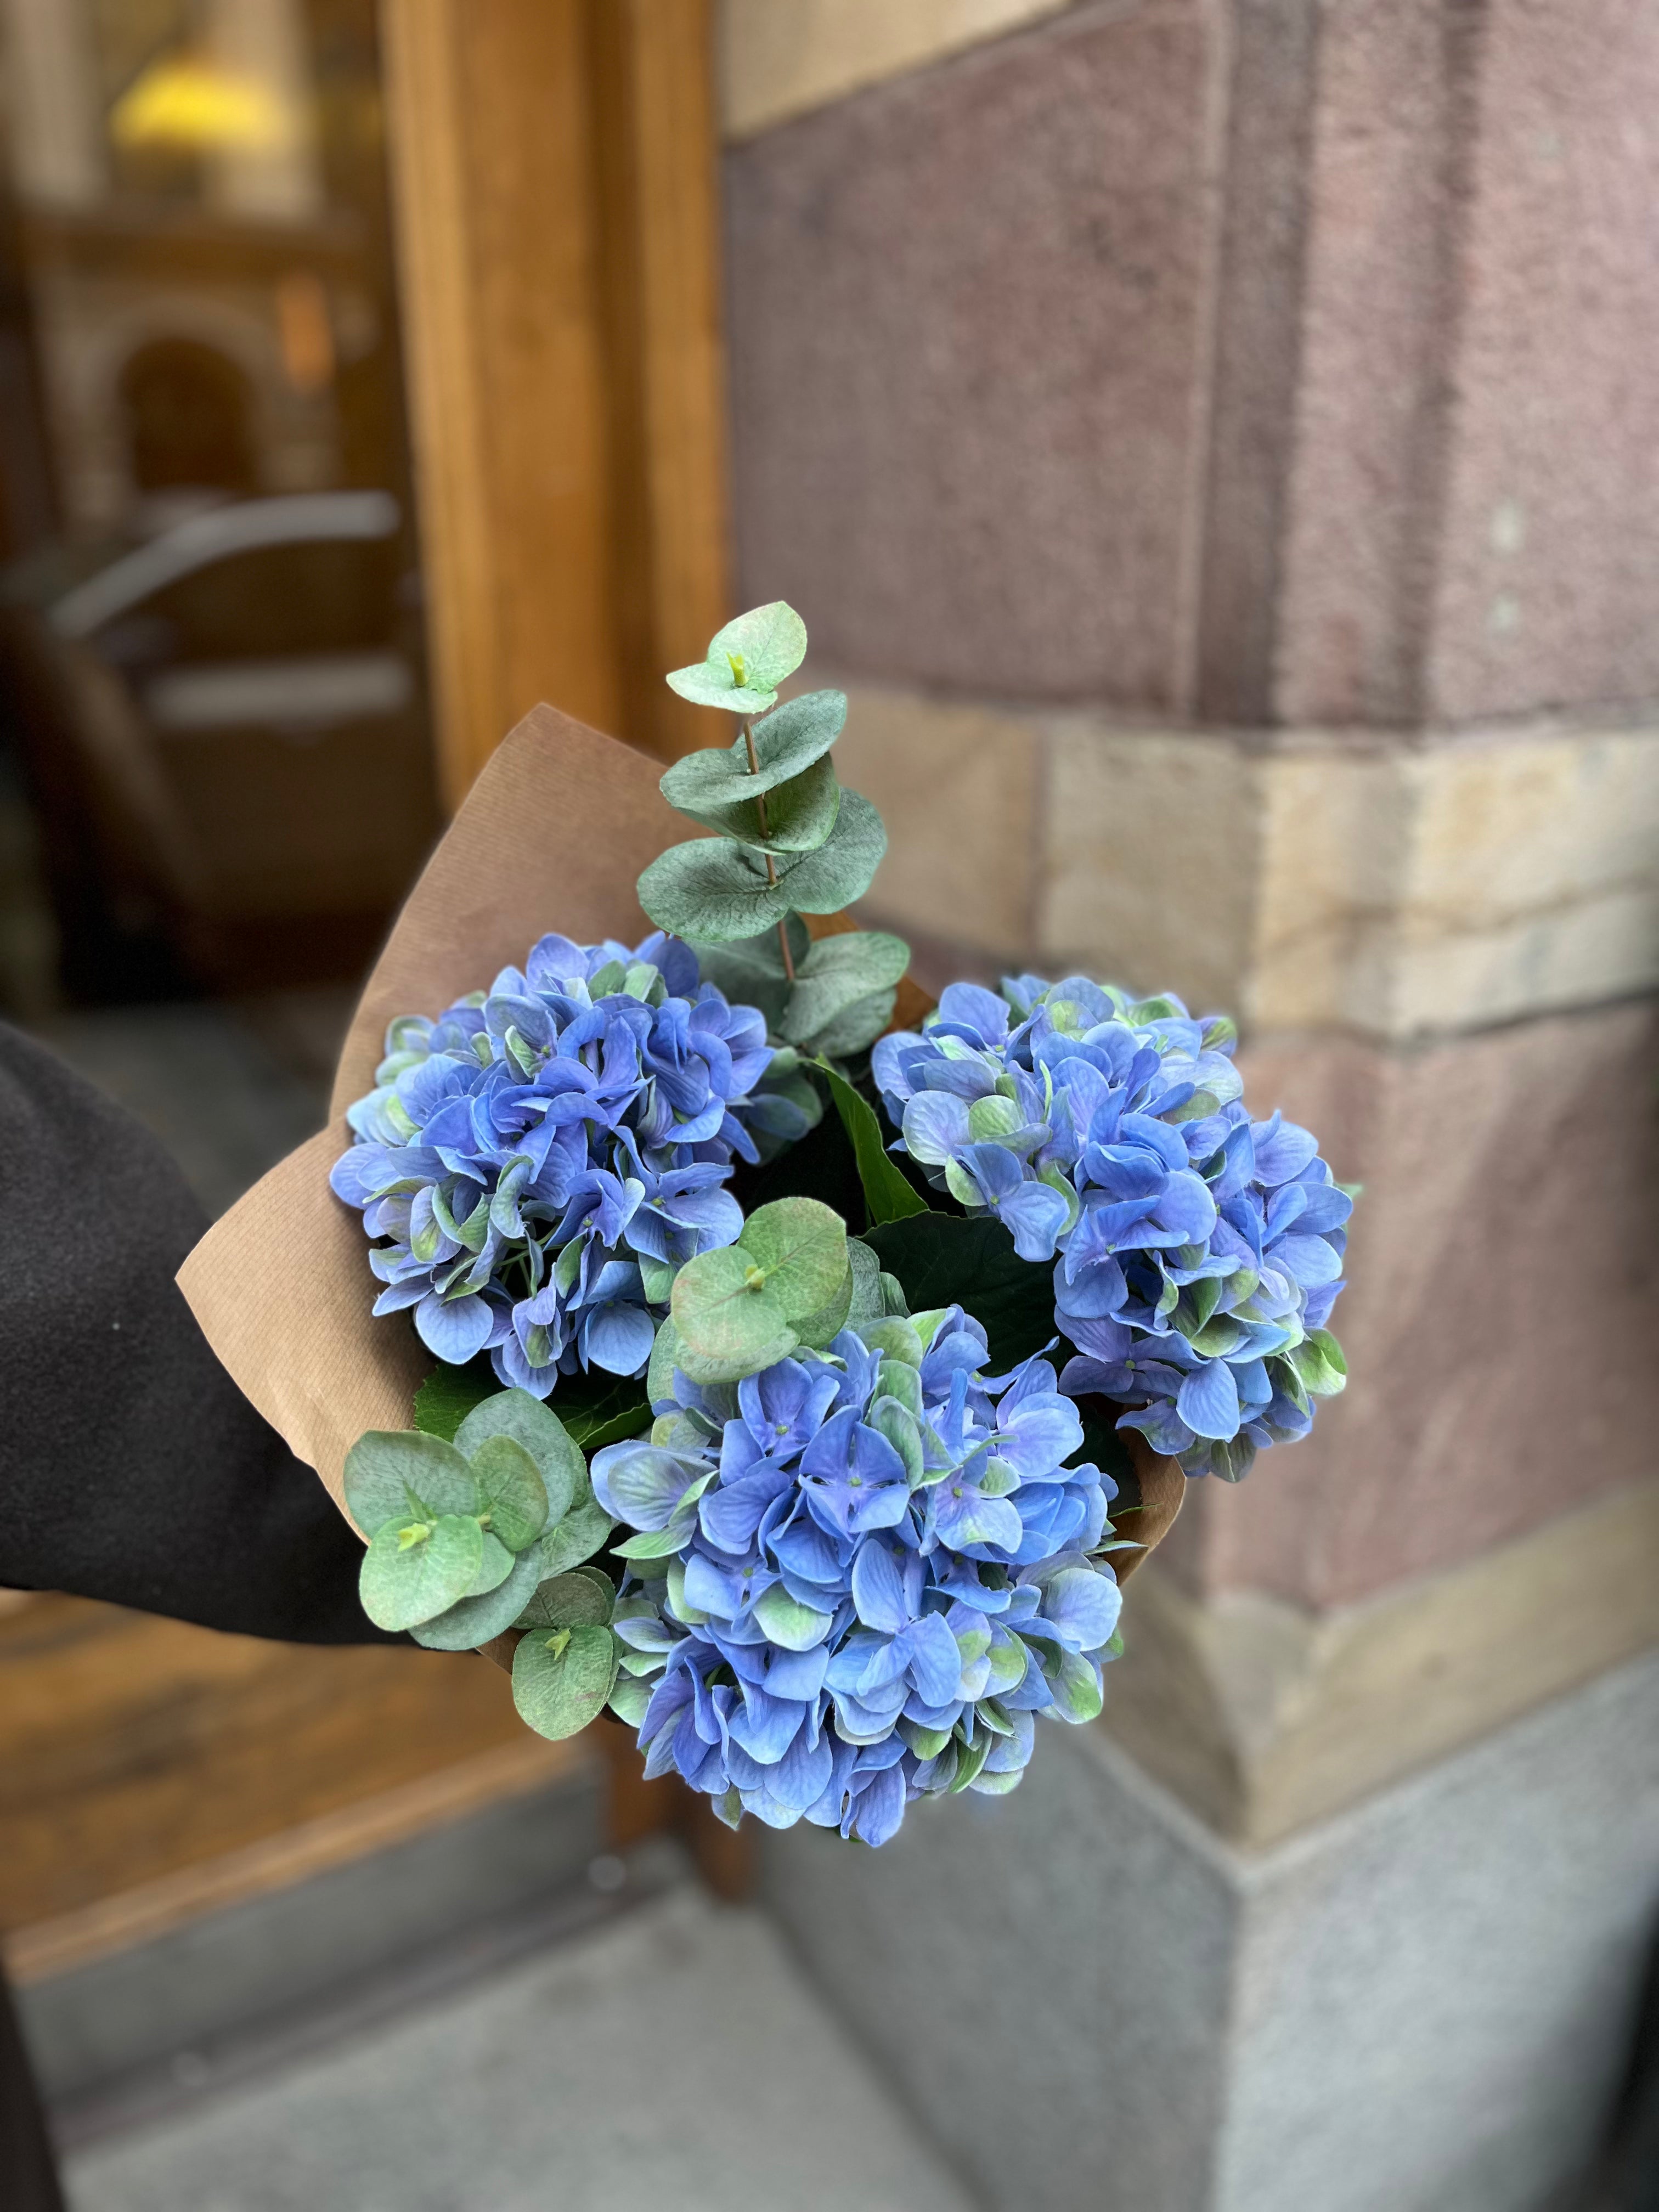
pixel 180 102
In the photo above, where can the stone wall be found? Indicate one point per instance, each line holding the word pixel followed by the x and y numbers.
pixel 1214 443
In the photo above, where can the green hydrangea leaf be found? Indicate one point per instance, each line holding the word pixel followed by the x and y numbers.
pixel 840 870
pixel 407 1578
pixel 1078 1693
pixel 895 1422
pixel 578 1536
pixel 711 889
pixel 540 1432
pixel 562 1677
pixel 945 1259
pixel 629 1699
pixel 511 1492
pixel 801 1246
pixel 899 1339
pixel 449 1393
pixel 386 1468
pixel 746 661
pixel 596 1408
pixel 793 1626
pixel 728 1314
pixel 836 974
pixel 1319 1363
pixel 475 1620
pixel 800 814
pixel 570 1600
pixel 495 1566
pixel 887 1192
pixel 970 1757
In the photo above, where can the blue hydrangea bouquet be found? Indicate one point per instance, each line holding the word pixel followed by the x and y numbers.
pixel 797 1387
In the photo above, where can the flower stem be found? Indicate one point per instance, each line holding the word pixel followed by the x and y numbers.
pixel 771 871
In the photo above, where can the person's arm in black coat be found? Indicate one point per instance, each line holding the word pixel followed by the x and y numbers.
pixel 131 1467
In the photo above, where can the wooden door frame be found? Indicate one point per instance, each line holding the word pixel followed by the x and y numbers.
pixel 555 183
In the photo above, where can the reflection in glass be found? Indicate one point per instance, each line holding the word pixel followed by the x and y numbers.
pixel 210 643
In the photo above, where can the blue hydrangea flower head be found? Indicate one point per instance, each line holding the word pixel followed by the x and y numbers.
pixel 534 1163
pixel 1198 1252
pixel 859 1578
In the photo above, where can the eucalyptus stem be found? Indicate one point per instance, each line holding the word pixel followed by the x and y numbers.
pixel 771 871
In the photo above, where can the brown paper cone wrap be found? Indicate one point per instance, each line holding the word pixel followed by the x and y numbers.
pixel 551 837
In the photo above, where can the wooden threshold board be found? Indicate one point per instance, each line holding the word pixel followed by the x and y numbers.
pixel 353 1831
pixel 140 1756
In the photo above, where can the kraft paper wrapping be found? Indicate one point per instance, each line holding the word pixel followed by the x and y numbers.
pixel 551 837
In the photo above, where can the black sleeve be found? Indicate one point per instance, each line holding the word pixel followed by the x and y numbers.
pixel 131 1467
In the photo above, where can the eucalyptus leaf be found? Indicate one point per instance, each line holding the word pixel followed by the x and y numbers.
pixel 801 1246
pixel 857 1025
pixel 404 1582
pixel 711 889
pixel 562 1677
pixel 867 1301
pixel 386 1467
pixel 495 1566
pixel 836 974
pixel 570 1600
pixel 511 1490
pixel 746 660
pixel 541 1433
pixel 727 1312
pixel 820 1329
pixel 839 871
pixel 749 971
pixel 476 1620
pixel 578 1536
pixel 788 742
pixel 887 1192
pixel 800 814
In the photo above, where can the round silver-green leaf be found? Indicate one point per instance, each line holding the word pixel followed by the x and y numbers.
pixel 836 974
pixel 800 814
pixel 474 1621
pixel 387 1467
pixel 801 1246
pixel 727 1311
pixel 576 1538
pixel 746 660
pixel 839 871
pixel 510 1490
pixel 712 889
pixel 562 1677
pixel 558 1460
pixel 402 1584
pixel 574 1600
pixel 495 1566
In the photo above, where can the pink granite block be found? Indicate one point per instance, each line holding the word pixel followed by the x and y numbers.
pixel 1548 567
pixel 1500 1325
pixel 965 332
